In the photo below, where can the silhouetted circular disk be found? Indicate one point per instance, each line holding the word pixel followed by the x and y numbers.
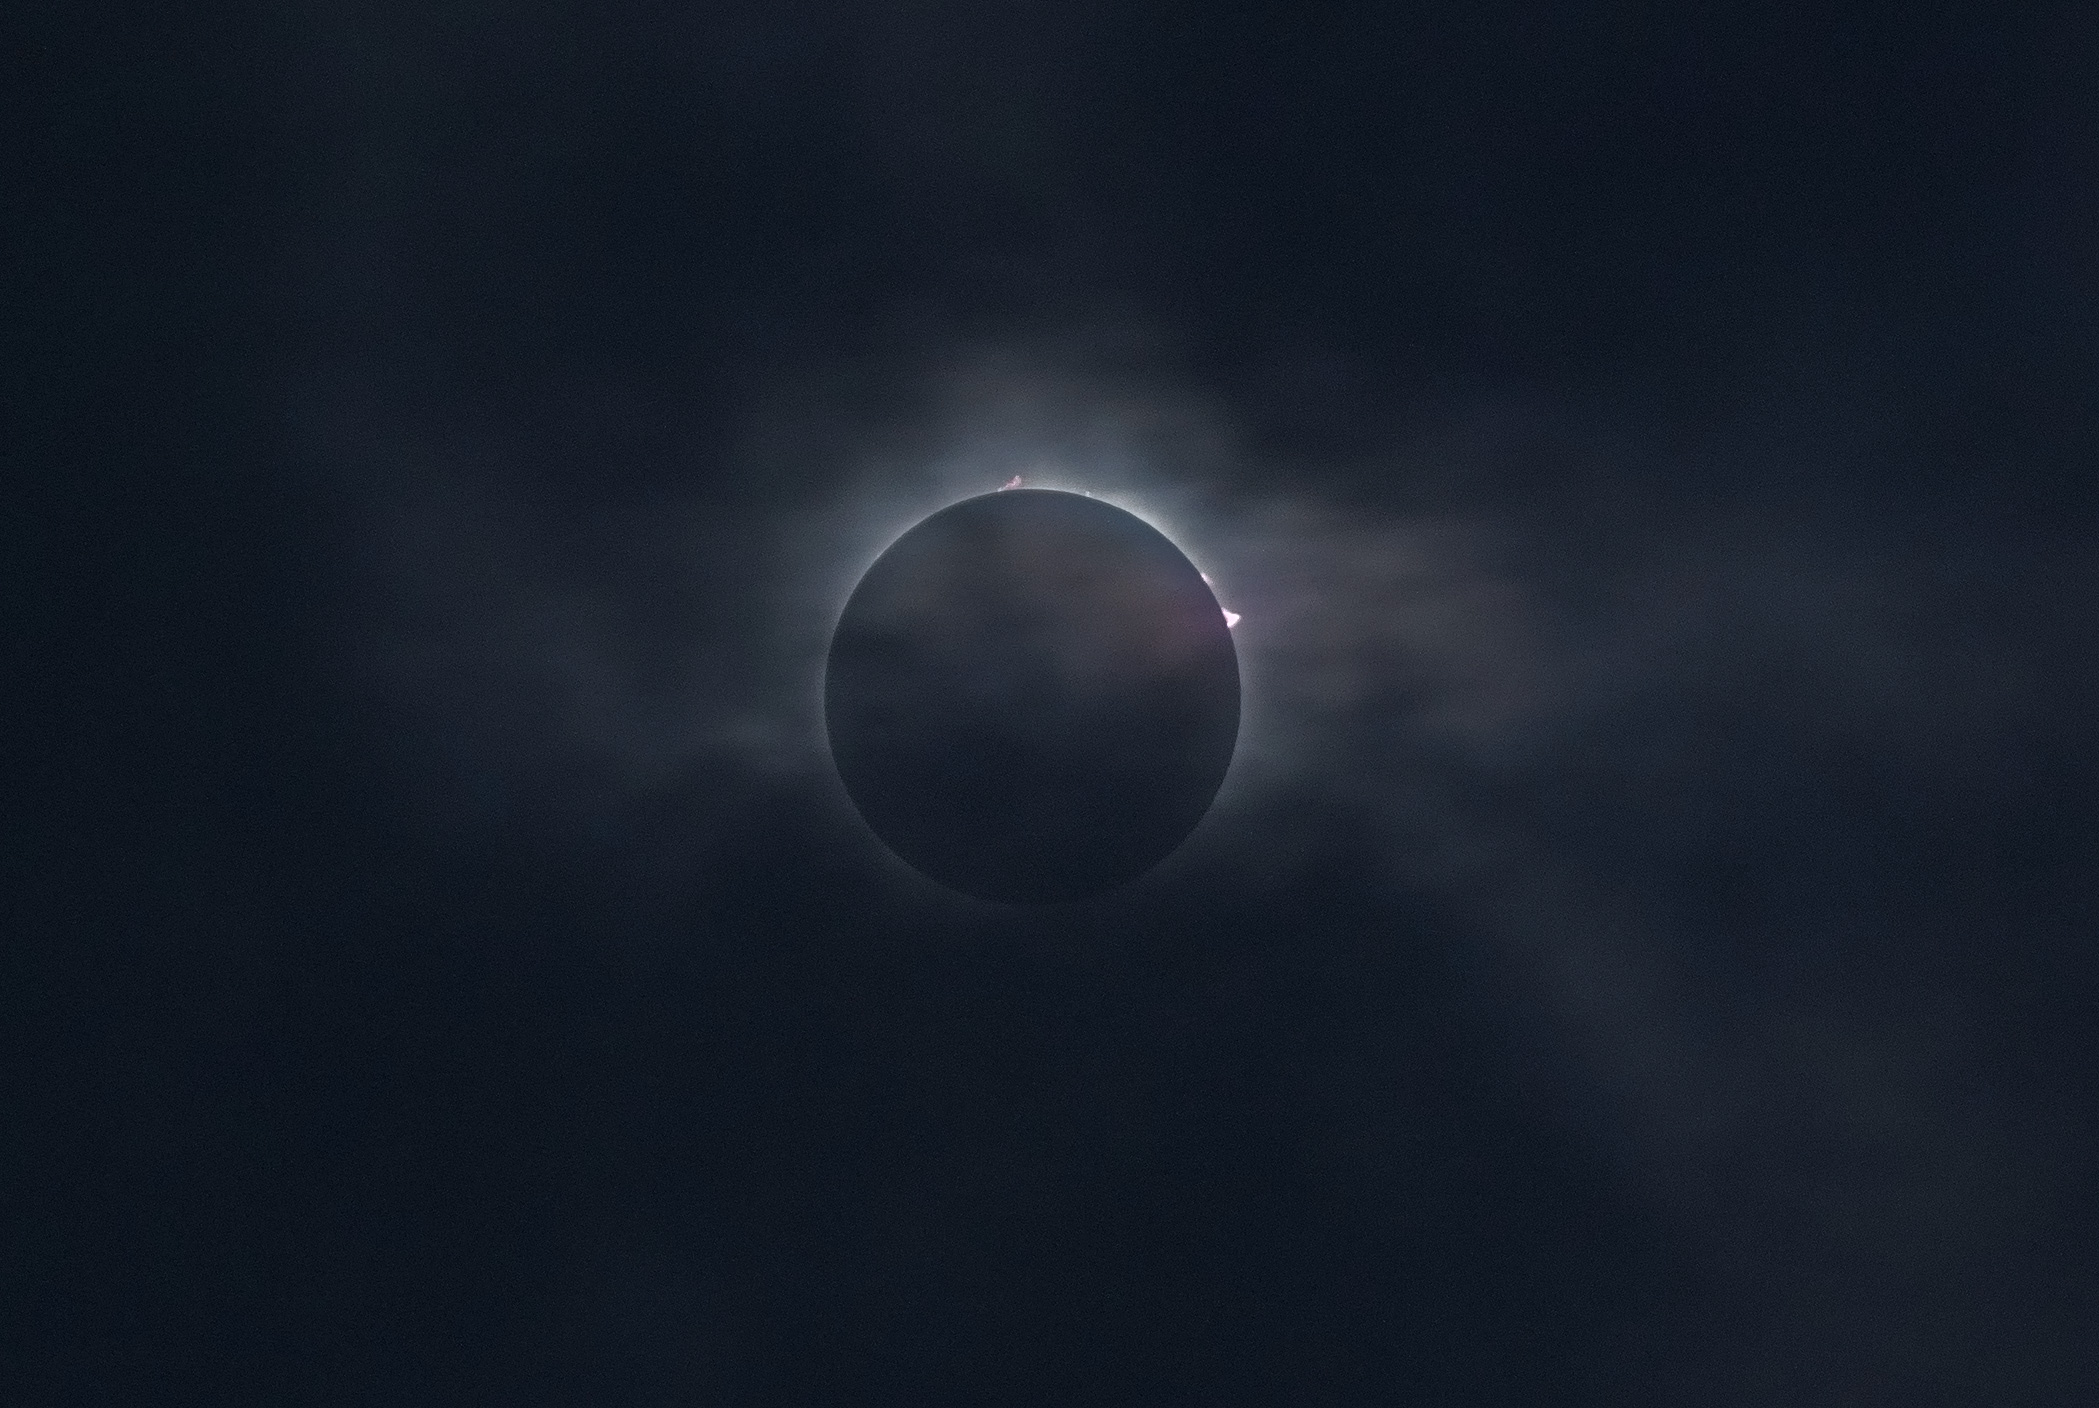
pixel 1032 696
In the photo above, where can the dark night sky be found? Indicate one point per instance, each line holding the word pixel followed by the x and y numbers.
pixel 1644 952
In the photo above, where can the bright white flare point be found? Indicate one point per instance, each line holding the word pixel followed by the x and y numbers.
pixel 1013 483
pixel 1231 619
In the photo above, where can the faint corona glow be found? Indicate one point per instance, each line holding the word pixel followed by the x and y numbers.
pixel 1231 618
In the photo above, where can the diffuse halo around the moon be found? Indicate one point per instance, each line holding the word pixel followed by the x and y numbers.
pixel 1032 696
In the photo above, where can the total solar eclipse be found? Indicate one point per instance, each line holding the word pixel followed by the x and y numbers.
pixel 1032 696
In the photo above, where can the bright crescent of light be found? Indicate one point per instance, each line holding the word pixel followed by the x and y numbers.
pixel 1231 618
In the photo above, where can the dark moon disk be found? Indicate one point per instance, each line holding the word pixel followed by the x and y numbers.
pixel 1032 696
